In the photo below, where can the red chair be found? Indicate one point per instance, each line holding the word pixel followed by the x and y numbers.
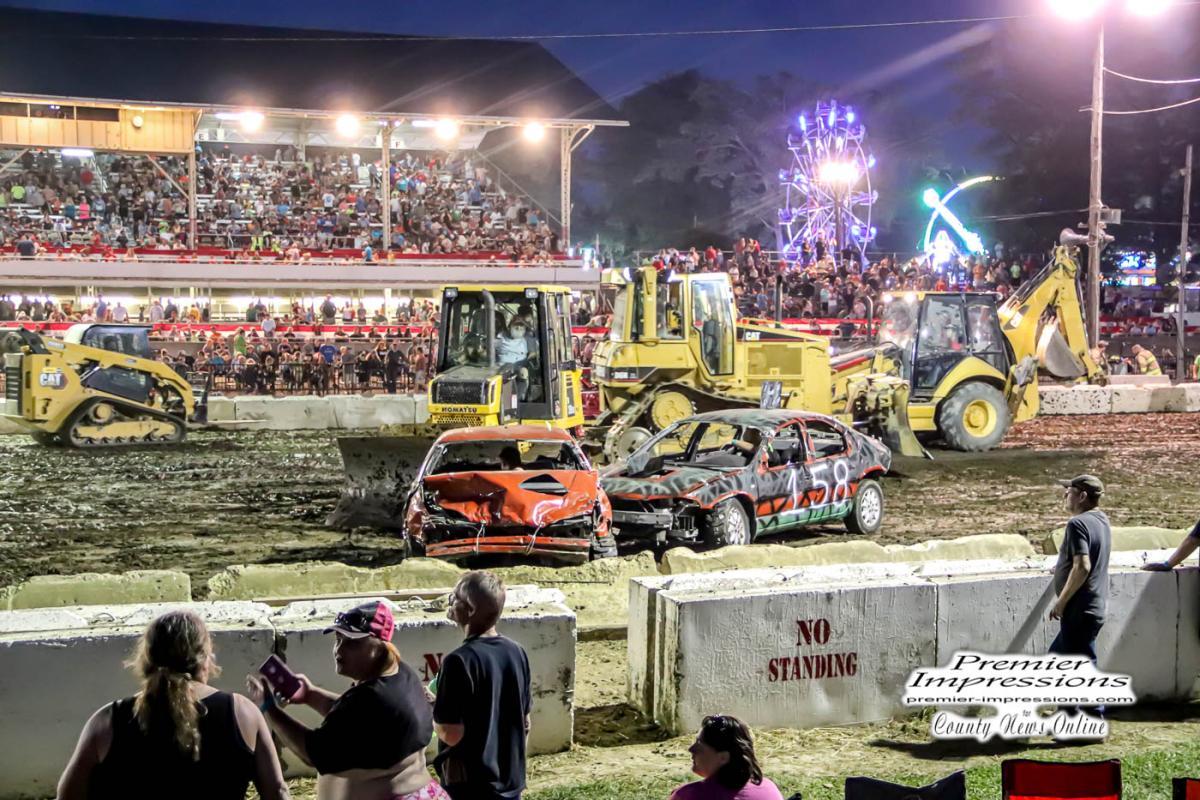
pixel 1023 779
pixel 1185 789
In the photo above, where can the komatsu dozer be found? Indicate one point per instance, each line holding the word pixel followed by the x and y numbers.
pixel 98 386
pixel 505 356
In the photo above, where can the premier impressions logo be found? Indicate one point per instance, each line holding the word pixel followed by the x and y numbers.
pixel 1017 686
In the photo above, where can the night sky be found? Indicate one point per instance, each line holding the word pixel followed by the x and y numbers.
pixel 909 61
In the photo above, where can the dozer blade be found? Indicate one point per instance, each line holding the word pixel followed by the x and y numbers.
pixel 1056 357
pixel 380 471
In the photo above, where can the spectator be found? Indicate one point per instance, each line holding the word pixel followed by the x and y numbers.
pixel 1081 572
pixel 372 739
pixel 481 712
pixel 723 757
pixel 178 737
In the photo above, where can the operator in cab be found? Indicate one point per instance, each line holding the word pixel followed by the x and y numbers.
pixel 512 348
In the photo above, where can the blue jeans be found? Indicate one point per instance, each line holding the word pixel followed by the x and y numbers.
pixel 1077 637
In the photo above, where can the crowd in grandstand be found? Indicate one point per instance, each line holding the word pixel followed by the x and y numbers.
pixel 269 205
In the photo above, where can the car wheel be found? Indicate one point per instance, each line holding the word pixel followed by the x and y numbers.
pixel 974 417
pixel 866 517
pixel 727 524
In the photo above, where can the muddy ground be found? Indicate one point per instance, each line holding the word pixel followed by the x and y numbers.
pixel 250 497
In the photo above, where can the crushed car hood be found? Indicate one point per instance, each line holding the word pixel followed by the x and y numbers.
pixel 526 498
pixel 677 481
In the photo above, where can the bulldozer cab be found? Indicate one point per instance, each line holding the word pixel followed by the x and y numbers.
pixel 935 332
pixel 692 309
pixel 506 356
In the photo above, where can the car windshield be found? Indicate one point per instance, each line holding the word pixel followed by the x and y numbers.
pixel 713 445
pixel 494 455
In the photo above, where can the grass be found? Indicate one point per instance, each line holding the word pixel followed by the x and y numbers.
pixel 1145 775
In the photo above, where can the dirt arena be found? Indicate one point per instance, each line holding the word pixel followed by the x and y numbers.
pixel 239 498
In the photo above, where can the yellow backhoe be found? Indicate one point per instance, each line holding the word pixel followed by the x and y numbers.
pixel 98 386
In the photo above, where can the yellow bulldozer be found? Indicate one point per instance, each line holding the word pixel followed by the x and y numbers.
pixel 957 366
pixel 98 386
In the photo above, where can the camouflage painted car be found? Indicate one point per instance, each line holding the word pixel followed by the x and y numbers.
pixel 728 477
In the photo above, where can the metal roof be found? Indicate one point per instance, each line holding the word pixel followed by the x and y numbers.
pixel 207 65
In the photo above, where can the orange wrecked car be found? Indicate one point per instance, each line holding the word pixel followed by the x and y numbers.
pixel 518 489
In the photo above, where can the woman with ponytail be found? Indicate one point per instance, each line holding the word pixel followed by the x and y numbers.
pixel 371 743
pixel 178 737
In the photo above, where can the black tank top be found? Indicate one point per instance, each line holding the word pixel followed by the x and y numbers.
pixel 145 767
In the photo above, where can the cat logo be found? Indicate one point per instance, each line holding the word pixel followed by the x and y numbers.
pixel 52 379
pixel 751 336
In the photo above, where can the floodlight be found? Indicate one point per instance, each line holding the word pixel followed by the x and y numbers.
pixel 534 131
pixel 251 121
pixel 1075 9
pixel 446 129
pixel 347 125
pixel 1147 8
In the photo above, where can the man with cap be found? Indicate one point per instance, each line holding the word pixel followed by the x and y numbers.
pixel 1081 573
pixel 371 743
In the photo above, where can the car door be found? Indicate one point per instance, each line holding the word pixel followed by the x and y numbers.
pixel 783 480
pixel 830 493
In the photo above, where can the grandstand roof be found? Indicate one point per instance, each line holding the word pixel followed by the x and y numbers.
pixel 200 64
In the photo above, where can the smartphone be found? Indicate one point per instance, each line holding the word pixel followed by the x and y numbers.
pixel 284 681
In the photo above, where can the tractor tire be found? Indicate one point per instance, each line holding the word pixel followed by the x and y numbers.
pixel 974 417
pixel 866 517
pixel 727 524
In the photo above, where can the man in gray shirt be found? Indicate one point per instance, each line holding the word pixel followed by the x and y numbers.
pixel 1081 574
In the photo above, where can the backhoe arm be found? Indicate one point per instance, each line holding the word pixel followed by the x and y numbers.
pixel 1044 319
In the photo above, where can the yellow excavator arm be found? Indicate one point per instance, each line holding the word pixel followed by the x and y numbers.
pixel 1044 319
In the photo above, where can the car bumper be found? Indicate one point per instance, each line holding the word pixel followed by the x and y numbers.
pixel 646 519
pixel 565 549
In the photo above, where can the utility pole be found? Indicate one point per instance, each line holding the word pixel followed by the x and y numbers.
pixel 1181 333
pixel 1095 227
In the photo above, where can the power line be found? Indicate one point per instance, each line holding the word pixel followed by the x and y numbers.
pixel 1152 110
pixel 1150 80
pixel 554 36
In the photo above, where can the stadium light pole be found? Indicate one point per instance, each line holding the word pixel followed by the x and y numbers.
pixel 1076 11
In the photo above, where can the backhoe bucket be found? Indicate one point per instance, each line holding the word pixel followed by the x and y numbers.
pixel 380 471
pixel 1056 357
pixel 897 433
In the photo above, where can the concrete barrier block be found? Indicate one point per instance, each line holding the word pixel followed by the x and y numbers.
pixel 594 591
pixel 1128 538
pixel 1001 613
pixel 1187 665
pixel 1191 393
pixel 829 655
pixel 90 588
pixel 535 619
pixel 222 409
pixel 1139 380
pixel 1131 399
pixel 52 680
pixel 395 409
pixel 964 548
pixel 370 413
pixel 420 409
pixel 10 428
pixel 249 581
pixel 1061 400
pixel 1140 634
pixel 286 413
pixel 1168 399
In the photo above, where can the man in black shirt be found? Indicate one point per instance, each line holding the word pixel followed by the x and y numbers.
pixel 481 713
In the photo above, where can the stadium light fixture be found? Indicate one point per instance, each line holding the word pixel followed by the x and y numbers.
pixel 77 152
pixel 347 125
pixel 446 129
pixel 1147 8
pixel 1076 9
pixel 251 121
pixel 534 132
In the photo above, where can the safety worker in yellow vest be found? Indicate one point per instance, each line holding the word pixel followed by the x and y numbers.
pixel 1147 364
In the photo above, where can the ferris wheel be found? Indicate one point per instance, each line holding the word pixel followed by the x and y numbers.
pixel 828 192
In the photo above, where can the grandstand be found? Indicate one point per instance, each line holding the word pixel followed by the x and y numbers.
pixel 274 161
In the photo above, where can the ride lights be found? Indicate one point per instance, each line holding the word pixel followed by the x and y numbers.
pixel 347 125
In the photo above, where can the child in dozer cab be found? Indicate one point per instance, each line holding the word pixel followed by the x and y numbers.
pixel 723 756
pixel 371 743
pixel 481 712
